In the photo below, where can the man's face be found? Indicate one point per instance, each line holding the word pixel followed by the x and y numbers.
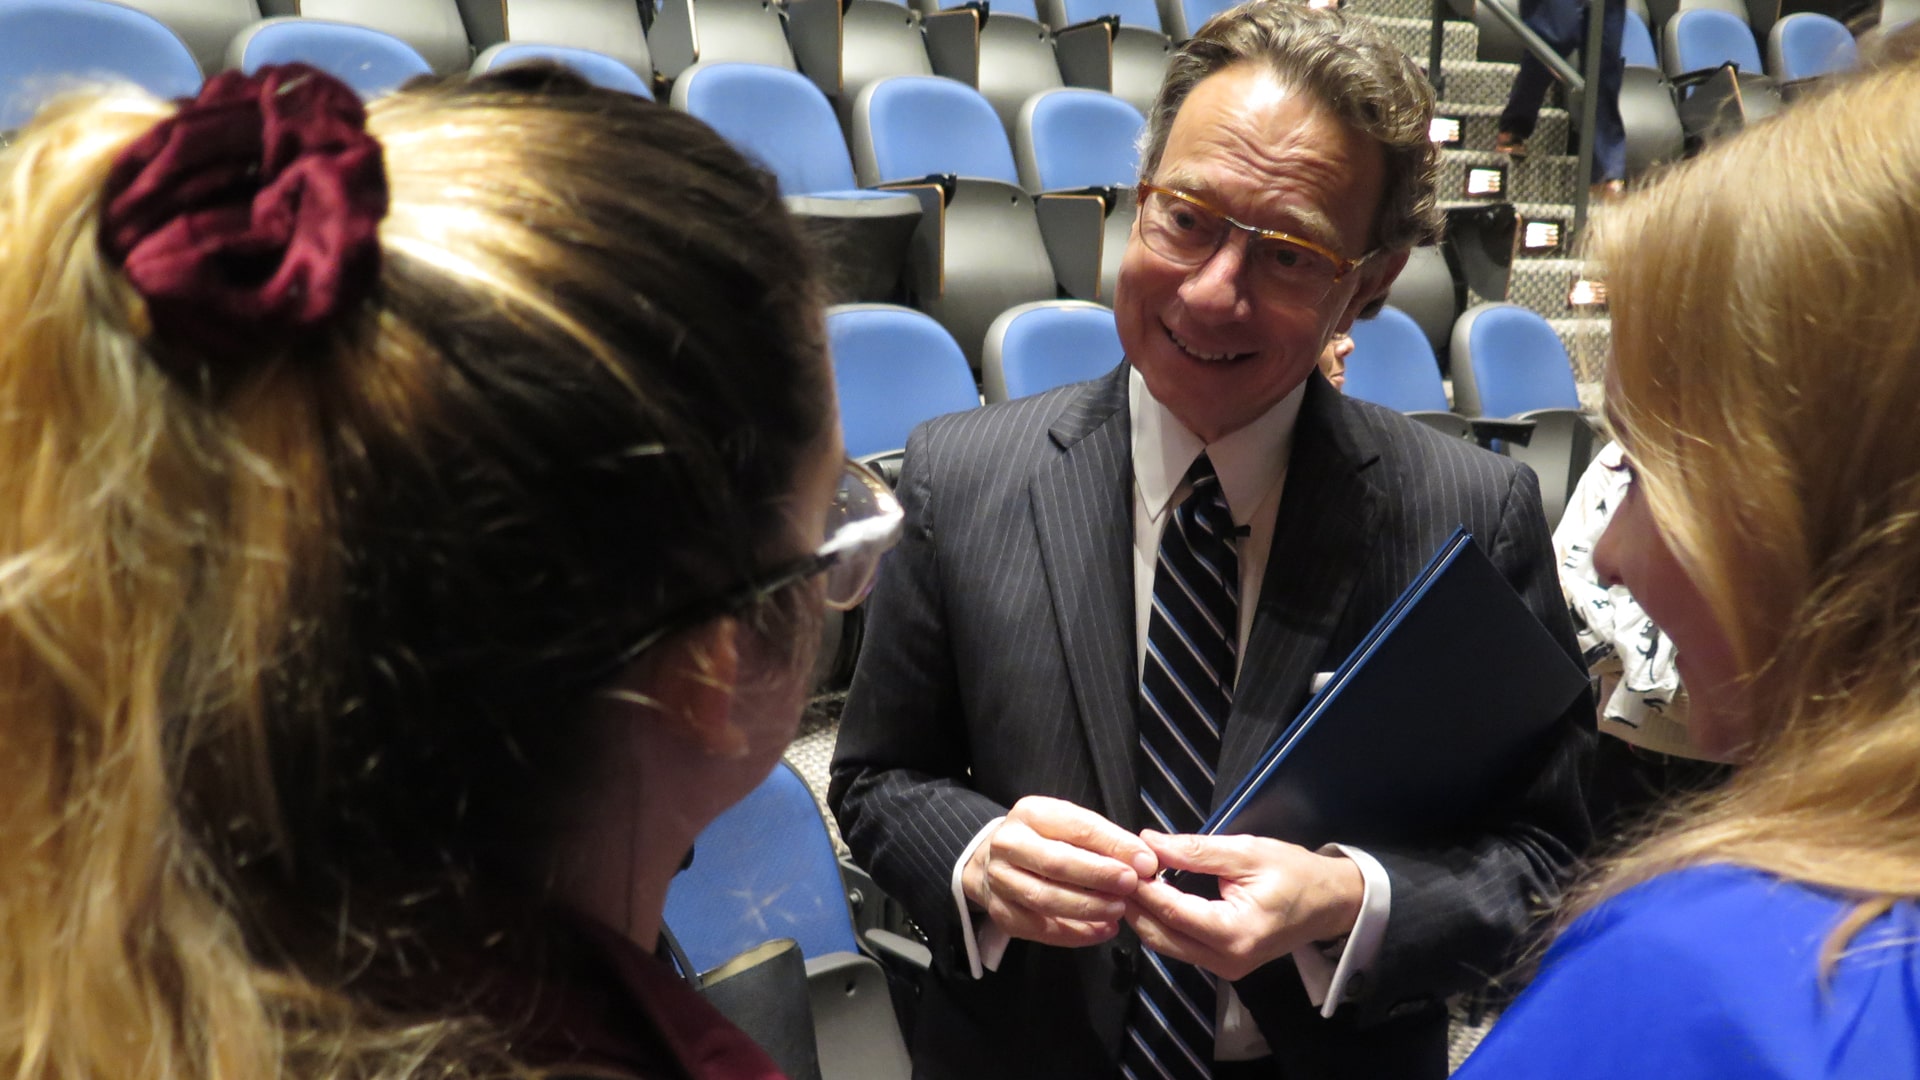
pixel 1212 347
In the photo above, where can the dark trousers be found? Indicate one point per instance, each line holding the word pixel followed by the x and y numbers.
pixel 1562 24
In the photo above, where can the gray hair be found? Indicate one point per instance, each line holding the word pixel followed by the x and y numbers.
pixel 1351 69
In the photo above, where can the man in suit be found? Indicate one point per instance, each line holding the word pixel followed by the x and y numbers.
pixel 1028 739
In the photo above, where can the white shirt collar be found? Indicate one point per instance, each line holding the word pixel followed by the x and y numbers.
pixel 1250 461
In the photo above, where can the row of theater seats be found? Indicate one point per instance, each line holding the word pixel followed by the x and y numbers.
pixel 1708 79
pixel 1009 50
pixel 1513 384
pixel 47 46
pixel 974 224
pixel 970 225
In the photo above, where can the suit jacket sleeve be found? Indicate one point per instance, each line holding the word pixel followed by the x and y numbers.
pixel 900 787
pixel 1460 911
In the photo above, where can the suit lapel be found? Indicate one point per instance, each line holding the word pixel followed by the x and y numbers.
pixel 1082 510
pixel 1321 538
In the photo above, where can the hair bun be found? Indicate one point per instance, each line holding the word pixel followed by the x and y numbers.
pixel 250 215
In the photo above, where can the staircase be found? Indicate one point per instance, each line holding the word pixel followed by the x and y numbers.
pixel 1541 188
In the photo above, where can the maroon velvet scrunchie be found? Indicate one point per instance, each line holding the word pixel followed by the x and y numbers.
pixel 248 217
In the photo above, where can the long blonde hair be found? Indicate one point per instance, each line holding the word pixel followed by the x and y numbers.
pixel 1765 378
pixel 288 657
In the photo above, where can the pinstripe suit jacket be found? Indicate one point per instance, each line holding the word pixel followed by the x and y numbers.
pixel 999 662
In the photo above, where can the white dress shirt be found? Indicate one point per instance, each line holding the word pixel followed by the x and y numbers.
pixel 1252 465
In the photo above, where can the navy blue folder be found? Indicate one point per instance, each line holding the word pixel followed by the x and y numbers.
pixel 1437 715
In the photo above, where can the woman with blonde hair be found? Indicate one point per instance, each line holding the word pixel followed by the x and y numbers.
pixel 1765 381
pixel 414 537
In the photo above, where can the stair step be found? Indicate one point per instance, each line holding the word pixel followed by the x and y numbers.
pixel 1528 211
pixel 1480 123
pixel 1394 9
pixel 1476 82
pixel 1458 44
pixel 1540 178
pixel 1540 284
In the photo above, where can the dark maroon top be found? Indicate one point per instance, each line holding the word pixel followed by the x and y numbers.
pixel 627 1011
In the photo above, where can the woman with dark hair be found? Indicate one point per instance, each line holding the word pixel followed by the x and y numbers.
pixel 418 531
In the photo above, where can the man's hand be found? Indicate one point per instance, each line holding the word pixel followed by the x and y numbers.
pixel 1274 898
pixel 1056 873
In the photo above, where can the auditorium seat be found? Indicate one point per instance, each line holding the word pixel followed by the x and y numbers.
pixel 1393 365
pixel 1427 293
pixel 784 122
pixel 1698 40
pixel 1509 364
pixel 893 368
pixel 1808 45
pixel 1636 43
pixel 597 68
pixel 1647 112
pixel 978 250
pixel 432 28
pixel 1004 53
pixel 371 62
pixel 842 45
pixel 50 46
pixel 1737 8
pixel 766 869
pixel 686 32
pixel 609 27
pixel 1713 62
pixel 206 26
pixel 1077 155
pixel 1076 138
pixel 1035 347
pixel 1111 45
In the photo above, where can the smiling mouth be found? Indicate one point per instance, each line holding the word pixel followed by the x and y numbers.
pixel 1205 358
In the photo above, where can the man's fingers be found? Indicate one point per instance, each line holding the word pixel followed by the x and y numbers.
pixel 1070 844
pixel 1156 935
pixel 1078 827
pixel 1220 856
pixel 1047 930
pixel 1047 896
pixel 1180 912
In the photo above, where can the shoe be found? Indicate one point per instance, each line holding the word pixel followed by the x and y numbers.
pixel 1606 191
pixel 1511 145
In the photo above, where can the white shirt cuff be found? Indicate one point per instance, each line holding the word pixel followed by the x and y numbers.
pixel 1326 982
pixel 986 943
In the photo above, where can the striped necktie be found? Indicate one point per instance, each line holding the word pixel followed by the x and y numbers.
pixel 1186 691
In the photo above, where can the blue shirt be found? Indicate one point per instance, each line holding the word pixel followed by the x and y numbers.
pixel 1715 972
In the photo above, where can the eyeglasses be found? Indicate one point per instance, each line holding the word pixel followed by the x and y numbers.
pixel 863 523
pixel 1285 268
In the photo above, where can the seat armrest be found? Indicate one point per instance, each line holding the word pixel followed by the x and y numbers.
pixel 1071 226
pixel 1689 79
pixel 1085 52
pixel 1447 423
pixel 953 41
pixel 897 949
pixel 1490 431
